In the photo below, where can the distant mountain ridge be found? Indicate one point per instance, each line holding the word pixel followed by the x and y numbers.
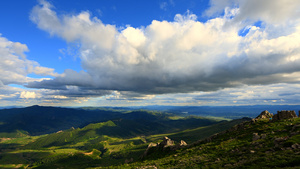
pixel 37 120
pixel 106 143
pixel 121 141
pixel 231 112
pixel 41 120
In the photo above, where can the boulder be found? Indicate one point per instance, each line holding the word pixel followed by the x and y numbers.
pixel 128 161
pixel 295 146
pixel 152 145
pixel 253 120
pixel 285 114
pixel 255 137
pixel 263 136
pixel 166 143
pixel 182 143
pixel 264 115
pixel 179 145
pixel 149 148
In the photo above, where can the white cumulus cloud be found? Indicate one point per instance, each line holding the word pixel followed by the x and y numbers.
pixel 14 66
pixel 184 55
pixel 28 95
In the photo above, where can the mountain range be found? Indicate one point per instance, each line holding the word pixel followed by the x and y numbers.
pixel 91 137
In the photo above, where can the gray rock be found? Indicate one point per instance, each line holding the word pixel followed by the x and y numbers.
pixel 255 137
pixel 182 143
pixel 280 139
pixel 166 142
pixel 285 114
pixel 295 146
pixel 264 115
pixel 150 146
pixel 128 161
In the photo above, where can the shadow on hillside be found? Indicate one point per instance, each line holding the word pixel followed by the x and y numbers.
pixel 21 158
pixel 135 142
pixel 7 147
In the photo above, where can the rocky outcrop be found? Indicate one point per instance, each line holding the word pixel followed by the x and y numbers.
pixel 256 136
pixel 166 144
pixel 128 160
pixel 182 143
pixel 150 147
pixel 264 115
pixel 284 114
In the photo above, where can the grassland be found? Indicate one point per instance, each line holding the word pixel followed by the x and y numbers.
pixel 277 147
pixel 104 144
pixel 123 139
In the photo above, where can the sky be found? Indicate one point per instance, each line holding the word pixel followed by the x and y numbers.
pixel 159 52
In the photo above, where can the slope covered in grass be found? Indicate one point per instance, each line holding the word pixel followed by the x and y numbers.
pixel 126 135
pixel 263 144
pixel 37 120
pixel 132 124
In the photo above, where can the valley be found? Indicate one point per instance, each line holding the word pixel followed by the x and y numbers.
pixel 118 138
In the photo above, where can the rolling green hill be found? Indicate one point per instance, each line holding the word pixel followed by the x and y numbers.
pixel 263 144
pixel 105 143
pixel 37 120
pixel 143 124
pixel 121 142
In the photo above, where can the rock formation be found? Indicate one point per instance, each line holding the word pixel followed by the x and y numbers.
pixel 284 114
pixel 128 161
pixel 182 143
pixel 264 115
pixel 149 148
pixel 255 137
pixel 166 145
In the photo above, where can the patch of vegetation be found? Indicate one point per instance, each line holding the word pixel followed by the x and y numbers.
pixel 104 144
pixel 277 145
pixel 120 143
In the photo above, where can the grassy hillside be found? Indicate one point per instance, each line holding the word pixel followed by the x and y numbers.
pixel 37 120
pixel 107 143
pixel 263 144
pixel 121 141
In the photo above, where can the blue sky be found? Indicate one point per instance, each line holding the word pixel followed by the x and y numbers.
pixel 162 52
pixel 19 28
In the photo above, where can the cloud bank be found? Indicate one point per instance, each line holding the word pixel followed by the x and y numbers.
pixel 183 55
pixel 14 65
pixel 14 70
